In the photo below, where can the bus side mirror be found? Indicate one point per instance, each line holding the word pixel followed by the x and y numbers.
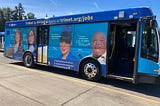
pixel 153 24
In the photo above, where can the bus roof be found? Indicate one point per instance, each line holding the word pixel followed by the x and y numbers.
pixel 122 14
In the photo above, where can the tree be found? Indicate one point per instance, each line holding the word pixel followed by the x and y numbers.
pixel 2 20
pixel 46 16
pixel 25 17
pixel 20 11
pixel 15 14
pixel 7 13
pixel 30 15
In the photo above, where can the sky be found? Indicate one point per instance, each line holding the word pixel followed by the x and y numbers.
pixel 68 7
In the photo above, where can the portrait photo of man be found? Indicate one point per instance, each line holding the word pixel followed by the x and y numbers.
pixel 99 44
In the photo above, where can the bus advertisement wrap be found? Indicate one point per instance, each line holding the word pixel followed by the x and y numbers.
pixel 69 44
pixel 118 44
pixel 19 40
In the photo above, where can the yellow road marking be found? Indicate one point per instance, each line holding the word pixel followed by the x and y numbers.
pixel 83 82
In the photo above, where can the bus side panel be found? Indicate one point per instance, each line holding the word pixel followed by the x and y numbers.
pixel 147 66
pixel 9 42
pixel 19 40
pixel 77 40
pixel 6 39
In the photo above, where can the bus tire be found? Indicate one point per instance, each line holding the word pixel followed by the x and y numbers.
pixel 90 70
pixel 28 60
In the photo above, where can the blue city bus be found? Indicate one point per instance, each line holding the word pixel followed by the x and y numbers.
pixel 119 44
pixel 1 41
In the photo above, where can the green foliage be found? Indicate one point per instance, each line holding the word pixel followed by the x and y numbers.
pixel 8 14
pixel 20 11
pixel 30 15
pixel 2 21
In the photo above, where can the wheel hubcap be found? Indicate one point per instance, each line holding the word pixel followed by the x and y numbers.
pixel 90 70
pixel 28 60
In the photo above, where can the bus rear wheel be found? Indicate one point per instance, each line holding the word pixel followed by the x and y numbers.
pixel 90 70
pixel 28 60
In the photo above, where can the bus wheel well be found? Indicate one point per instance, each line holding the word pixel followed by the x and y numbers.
pixel 90 69
pixel 27 52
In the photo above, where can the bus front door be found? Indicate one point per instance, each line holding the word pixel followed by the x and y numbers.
pixel 148 58
pixel 42 40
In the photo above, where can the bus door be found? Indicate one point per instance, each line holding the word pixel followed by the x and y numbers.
pixel 148 57
pixel 1 40
pixel 42 40
pixel 121 50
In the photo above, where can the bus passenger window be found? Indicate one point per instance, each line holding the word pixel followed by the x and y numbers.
pixel 149 49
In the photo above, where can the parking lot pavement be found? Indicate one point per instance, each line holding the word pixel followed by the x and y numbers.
pixel 48 86
pixel 11 98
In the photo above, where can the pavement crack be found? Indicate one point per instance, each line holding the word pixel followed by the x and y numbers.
pixel 23 95
pixel 77 95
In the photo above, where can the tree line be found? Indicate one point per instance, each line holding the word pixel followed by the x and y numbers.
pixel 18 13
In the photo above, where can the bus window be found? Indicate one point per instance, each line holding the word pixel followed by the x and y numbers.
pixel 131 38
pixel 149 48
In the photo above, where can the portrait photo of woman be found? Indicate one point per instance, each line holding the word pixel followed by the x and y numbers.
pixel 17 48
pixel 65 46
pixel 17 41
pixel 31 40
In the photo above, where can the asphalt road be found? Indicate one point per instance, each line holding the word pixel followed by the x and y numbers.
pixel 47 86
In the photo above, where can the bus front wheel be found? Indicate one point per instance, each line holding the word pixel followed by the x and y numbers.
pixel 28 60
pixel 90 70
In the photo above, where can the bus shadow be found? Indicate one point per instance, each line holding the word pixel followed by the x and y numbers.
pixel 147 89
